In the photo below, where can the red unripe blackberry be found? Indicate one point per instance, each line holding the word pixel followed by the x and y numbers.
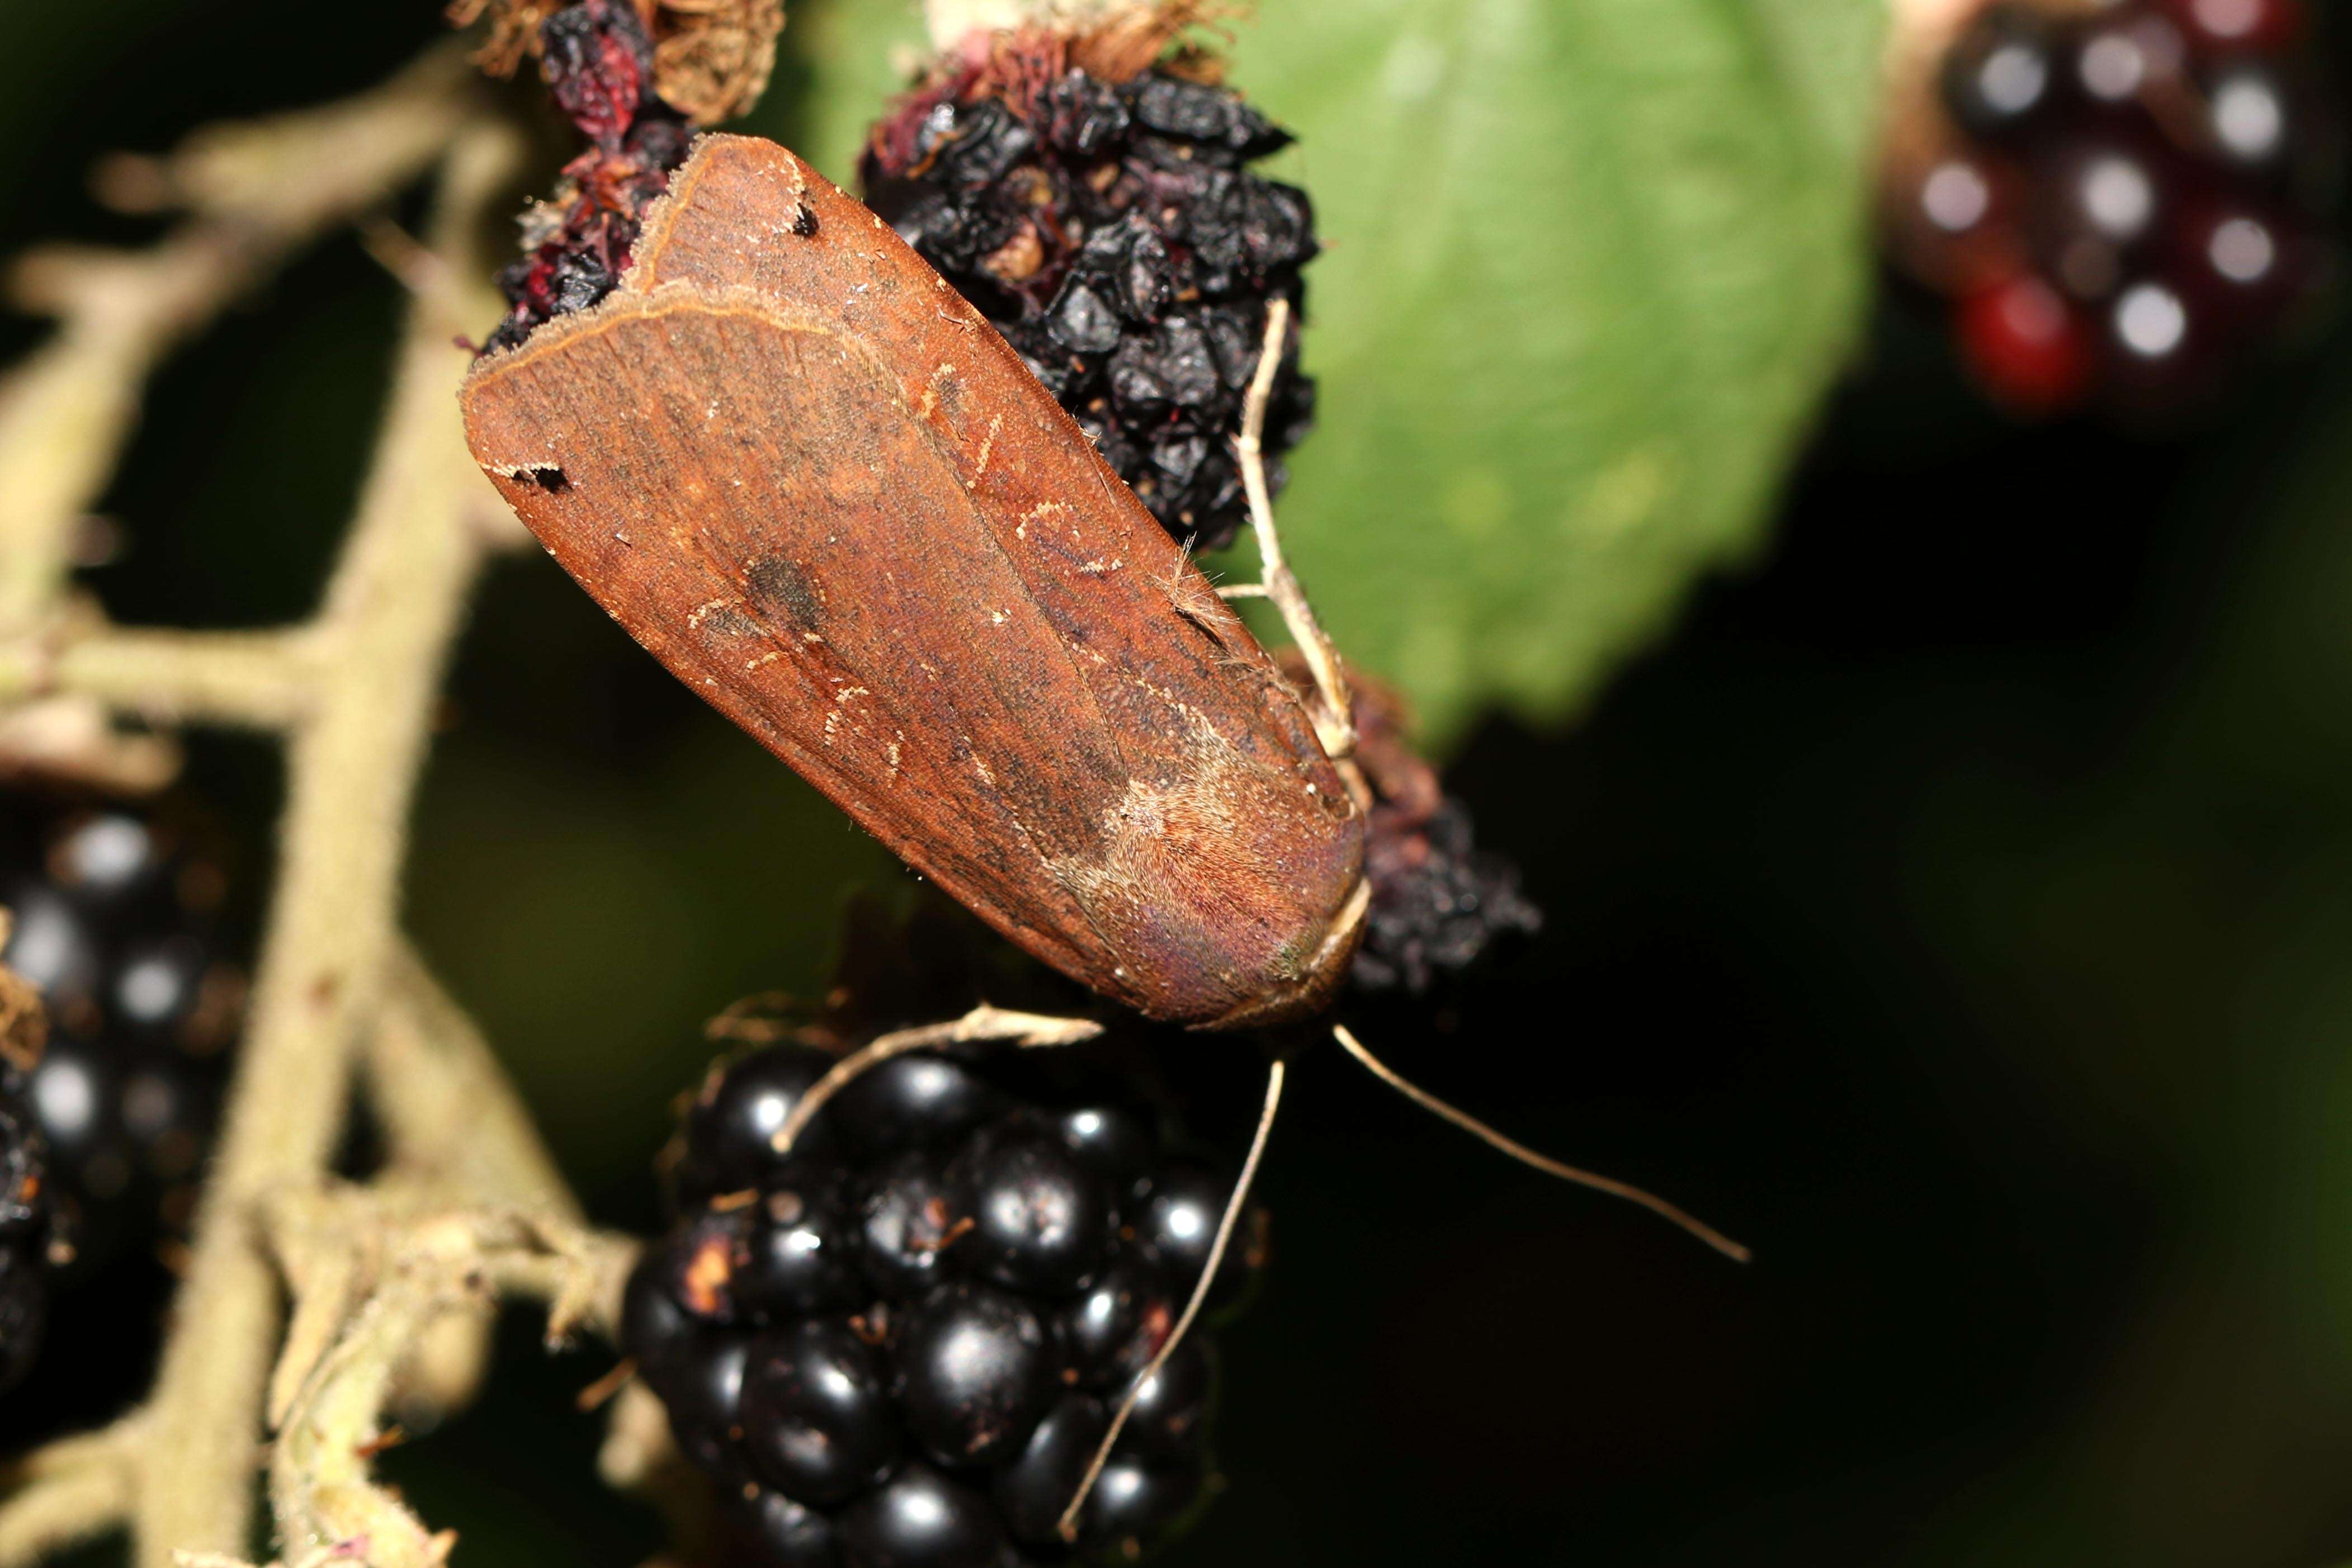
pixel 1106 217
pixel 2024 343
pixel 2229 26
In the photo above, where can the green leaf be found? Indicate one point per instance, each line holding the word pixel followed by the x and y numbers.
pixel 1592 264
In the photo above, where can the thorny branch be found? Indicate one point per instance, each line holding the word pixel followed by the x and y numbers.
pixel 391 1285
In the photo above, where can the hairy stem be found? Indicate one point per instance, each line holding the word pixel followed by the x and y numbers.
pixel 74 1489
pixel 257 192
pixel 392 612
pixel 449 1111
pixel 453 1121
pixel 252 680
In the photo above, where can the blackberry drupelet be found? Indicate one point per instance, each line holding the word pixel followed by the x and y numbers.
pixel 1108 222
pixel 118 926
pixel 898 1346
pixel 2123 201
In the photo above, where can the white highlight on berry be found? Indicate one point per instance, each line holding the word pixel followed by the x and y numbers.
pixel 2117 196
pixel 923 1510
pixel 108 850
pixel 2113 67
pixel 1955 197
pixel 2012 78
pixel 2248 118
pixel 2151 320
pixel 2242 250
pixel 43 946
pixel 65 1094
pixel 149 989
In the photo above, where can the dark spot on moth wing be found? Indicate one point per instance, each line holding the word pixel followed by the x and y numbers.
pixel 805 221
pixel 777 586
pixel 546 477
pixel 725 621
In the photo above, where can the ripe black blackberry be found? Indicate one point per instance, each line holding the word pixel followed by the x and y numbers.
pixel 119 926
pixel 26 1232
pixel 2123 200
pixel 1094 198
pixel 898 1346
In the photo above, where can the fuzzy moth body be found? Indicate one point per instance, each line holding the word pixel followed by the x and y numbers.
pixel 794 464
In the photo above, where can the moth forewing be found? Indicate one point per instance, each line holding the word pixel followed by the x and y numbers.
pixel 802 472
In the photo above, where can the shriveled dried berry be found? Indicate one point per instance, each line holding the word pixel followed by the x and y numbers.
pixel 1438 901
pixel 599 65
pixel 1111 229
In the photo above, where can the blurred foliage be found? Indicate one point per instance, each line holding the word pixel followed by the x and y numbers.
pixel 1592 266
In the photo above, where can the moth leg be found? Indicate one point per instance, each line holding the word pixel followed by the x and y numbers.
pixel 1333 713
pixel 1068 1528
pixel 982 1023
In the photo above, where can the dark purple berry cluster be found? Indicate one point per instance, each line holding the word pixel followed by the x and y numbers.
pixel 1113 230
pixel 599 64
pixel 899 1346
pixel 2129 197
pixel 120 928
pixel 1438 900
pixel 25 1231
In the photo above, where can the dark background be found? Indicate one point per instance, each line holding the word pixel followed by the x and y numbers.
pixel 1956 908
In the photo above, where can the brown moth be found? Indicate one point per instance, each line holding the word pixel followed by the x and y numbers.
pixel 792 463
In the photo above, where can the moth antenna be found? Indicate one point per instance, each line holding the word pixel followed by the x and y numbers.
pixel 982 1023
pixel 1068 1528
pixel 1527 1156
pixel 1335 726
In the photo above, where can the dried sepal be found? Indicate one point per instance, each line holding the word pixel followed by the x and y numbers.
pixel 1114 39
pixel 712 59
